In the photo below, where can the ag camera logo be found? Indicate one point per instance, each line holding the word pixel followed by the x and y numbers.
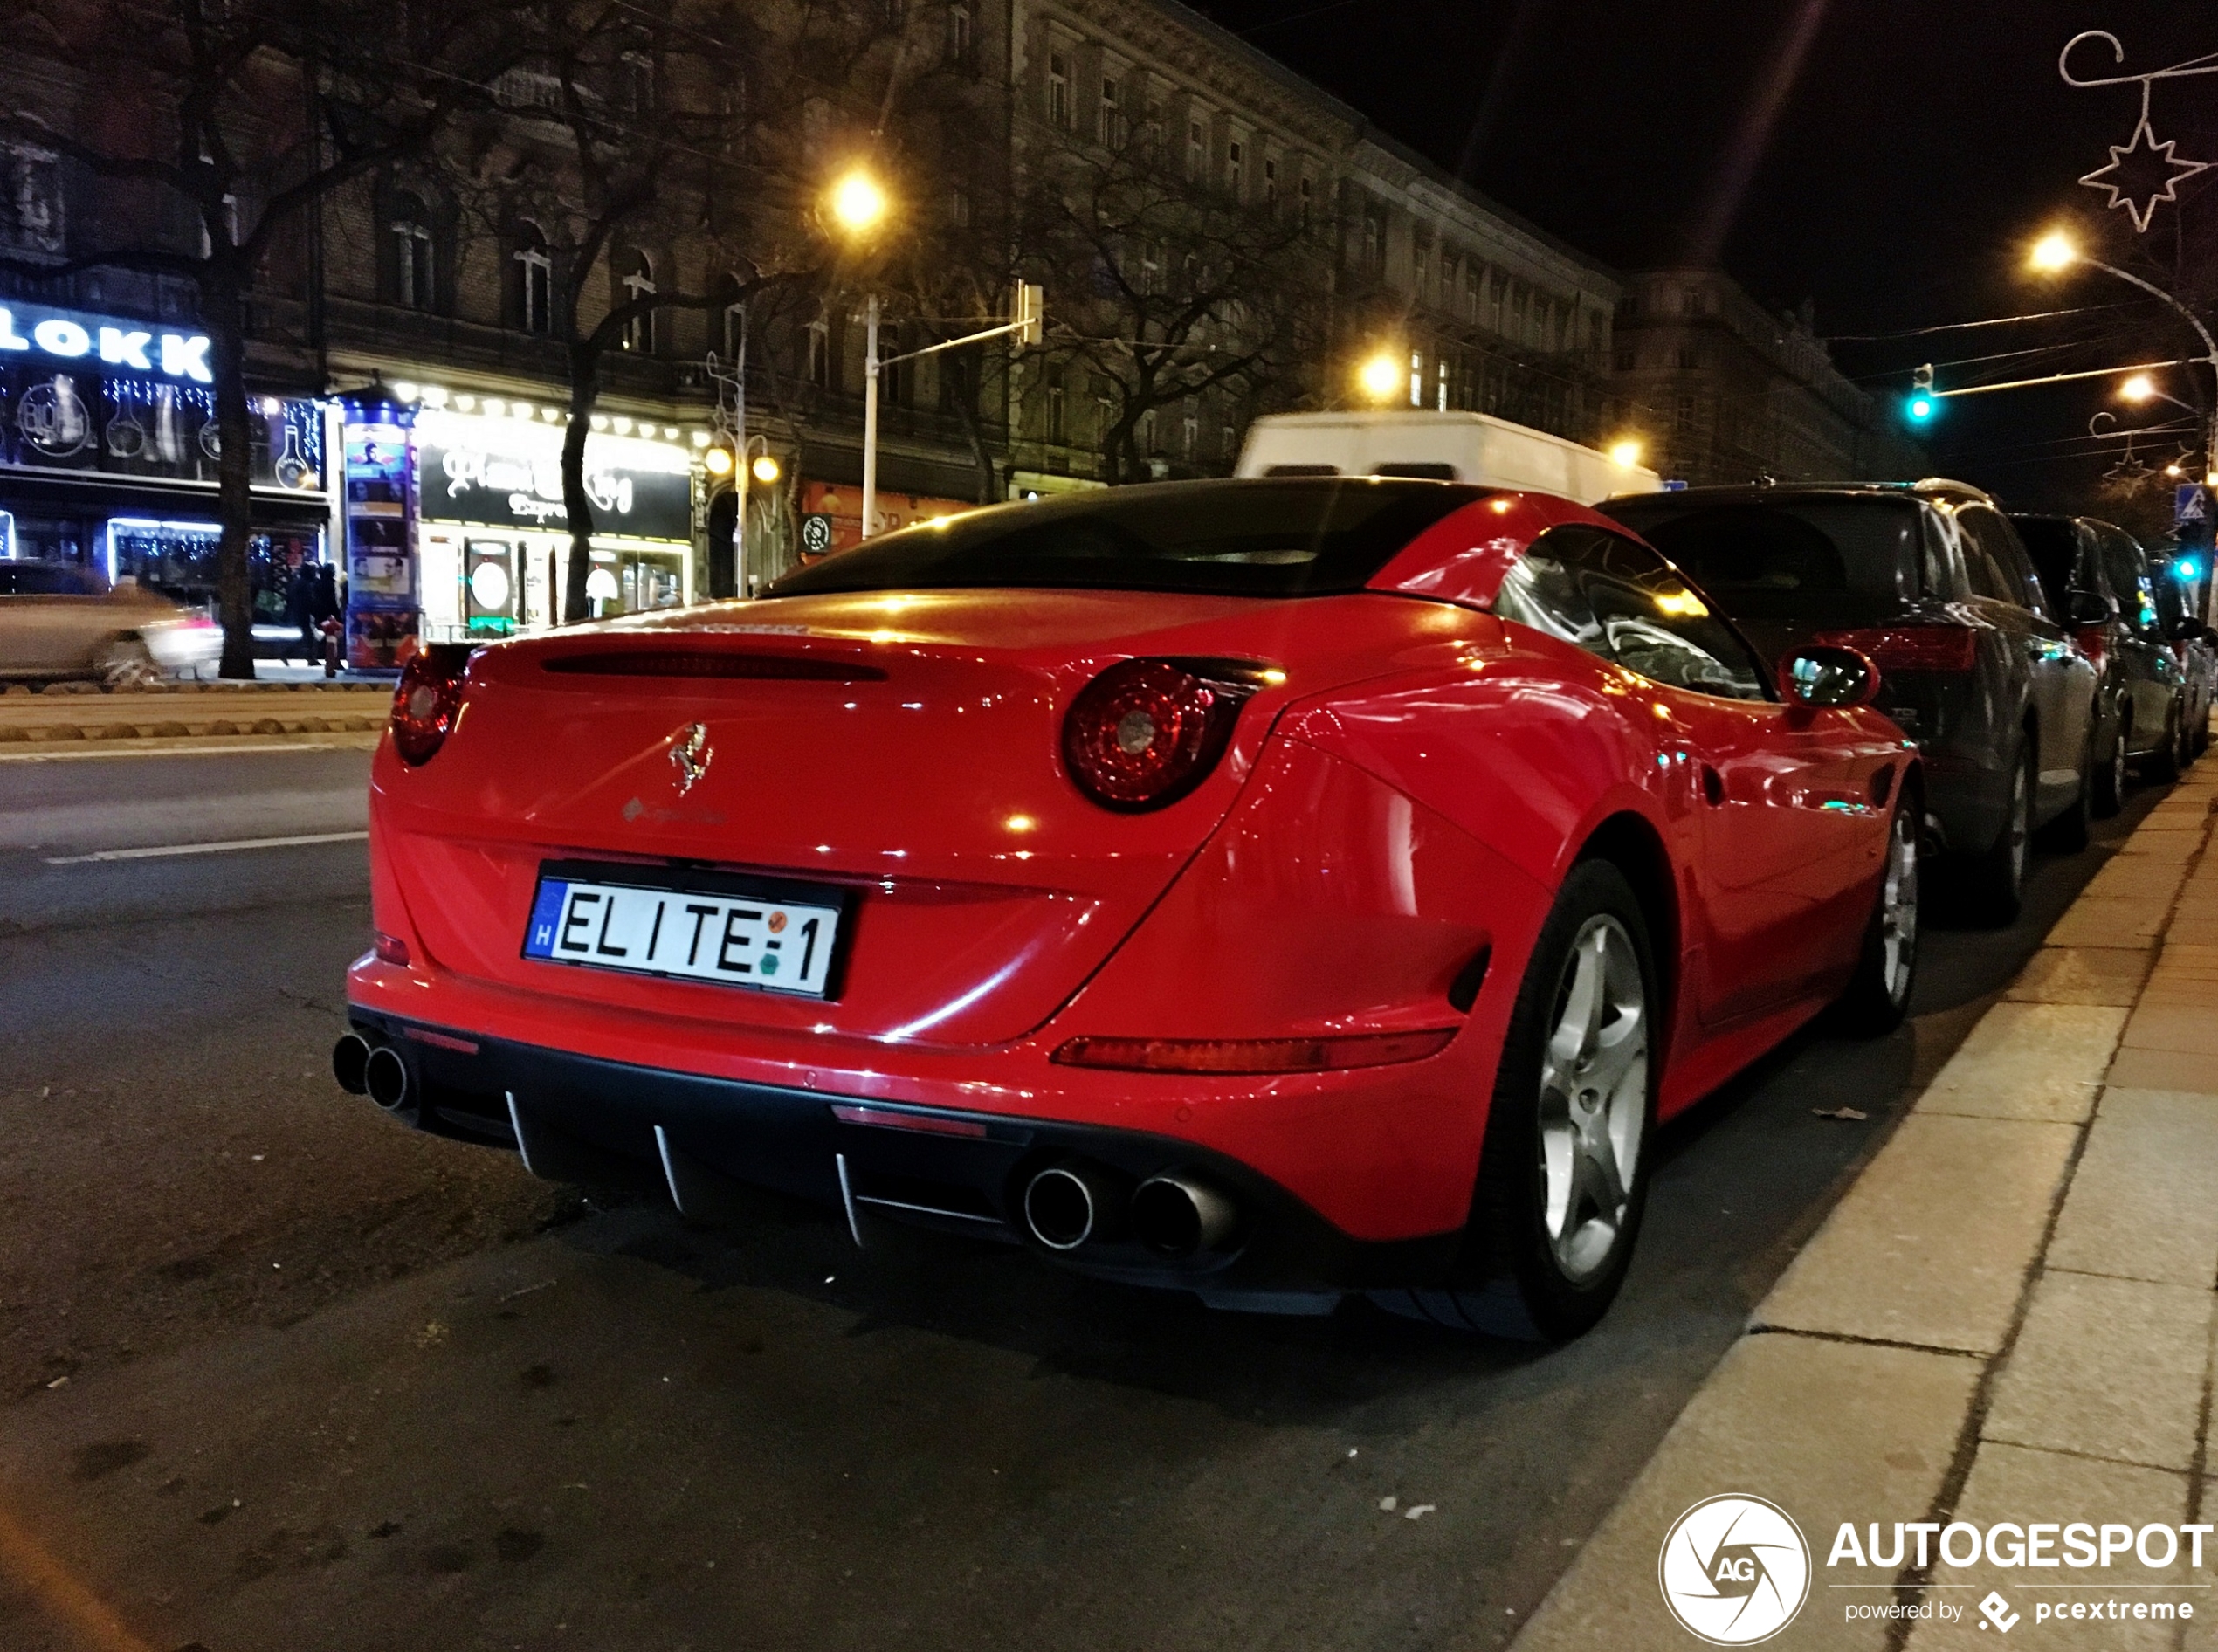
pixel 1734 1570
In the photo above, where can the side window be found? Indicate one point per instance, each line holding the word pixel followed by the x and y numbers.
pixel 1619 600
pixel 1938 566
pixel 2009 567
pixel 1984 573
pixel 2130 582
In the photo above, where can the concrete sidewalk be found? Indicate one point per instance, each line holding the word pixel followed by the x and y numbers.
pixel 2007 1319
pixel 84 712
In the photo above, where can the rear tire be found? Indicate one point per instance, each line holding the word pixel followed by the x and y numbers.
pixel 1994 882
pixel 1563 1173
pixel 2109 775
pixel 126 662
pixel 1877 997
pixel 2163 765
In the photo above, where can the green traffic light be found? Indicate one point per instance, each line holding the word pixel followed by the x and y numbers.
pixel 1922 408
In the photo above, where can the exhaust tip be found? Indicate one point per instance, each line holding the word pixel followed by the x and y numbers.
pixel 1178 1216
pixel 1067 1205
pixel 385 1078
pixel 349 1060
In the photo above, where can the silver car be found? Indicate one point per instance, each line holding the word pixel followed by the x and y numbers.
pixel 58 621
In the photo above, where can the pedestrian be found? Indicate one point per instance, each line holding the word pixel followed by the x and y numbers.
pixel 300 607
pixel 325 615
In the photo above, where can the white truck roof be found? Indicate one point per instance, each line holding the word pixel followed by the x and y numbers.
pixel 1448 447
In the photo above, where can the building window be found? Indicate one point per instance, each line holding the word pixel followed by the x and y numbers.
pixel 1235 169
pixel 534 281
pixel 412 271
pixel 637 280
pixel 1111 122
pixel 1151 268
pixel 1689 358
pixel 1682 417
pixel 1471 277
pixel 30 199
pixel 1308 191
pixel 1196 150
pixel 635 76
pixel 1420 271
pixel 1440 382
pixel 1055 414
pixel 819 342
pixel 959 36
pixel 959 207
pixel 1058 89
pixel 1270 185
pixel 1625 361
pixel 1417 378
pixel 1374 232
pixel 1190 431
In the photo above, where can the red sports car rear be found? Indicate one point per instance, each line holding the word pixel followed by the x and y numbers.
pixel 1176 880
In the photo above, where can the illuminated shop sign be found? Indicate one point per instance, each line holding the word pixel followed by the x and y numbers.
pixel 67 335
pixel 494 472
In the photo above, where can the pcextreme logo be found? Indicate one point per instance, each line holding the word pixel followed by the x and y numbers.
pixel 1734 1570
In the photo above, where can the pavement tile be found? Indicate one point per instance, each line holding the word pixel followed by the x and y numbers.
pixel 2172 1026
pixel 2196 929
pixel 1932 1244
pixel 2109 1368
pixel 2082 975
pixel 2094 921
pixel 2139 1207
pixel 2179 845
pixel 2011 1482
pixel 2028 1060
pixel 1829 1431
pixel 2139 1069
pixel 2141 877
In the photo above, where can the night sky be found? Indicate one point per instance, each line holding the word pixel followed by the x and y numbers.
pixel 1887 159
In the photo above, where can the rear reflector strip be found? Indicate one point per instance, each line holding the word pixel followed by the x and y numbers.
pixel 887 1119
pixel 441 1040
pixel 707 663
pixel 1253 1055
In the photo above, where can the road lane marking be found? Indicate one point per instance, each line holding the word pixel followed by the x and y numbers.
pixel 167 849
pixel 154 748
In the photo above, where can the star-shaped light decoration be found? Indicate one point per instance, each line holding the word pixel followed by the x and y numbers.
pixel 2142 173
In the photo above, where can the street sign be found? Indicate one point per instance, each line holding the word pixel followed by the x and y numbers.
pixel 2190 503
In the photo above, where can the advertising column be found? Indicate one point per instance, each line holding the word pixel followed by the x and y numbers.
pixel 383 608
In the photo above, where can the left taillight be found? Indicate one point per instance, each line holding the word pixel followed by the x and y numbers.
pixel 1146 732
pixel 428 701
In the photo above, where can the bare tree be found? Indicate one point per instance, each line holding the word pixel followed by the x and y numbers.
pixel 206 130
pixel 1168 288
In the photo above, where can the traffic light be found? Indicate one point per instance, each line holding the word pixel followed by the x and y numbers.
pixel 1924 402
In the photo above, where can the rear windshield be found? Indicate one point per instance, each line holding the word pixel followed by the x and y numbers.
pixel 1787 558
pixel 2053 542
pixel 1296 537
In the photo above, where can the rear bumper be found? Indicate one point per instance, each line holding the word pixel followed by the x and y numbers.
pixel 702 1141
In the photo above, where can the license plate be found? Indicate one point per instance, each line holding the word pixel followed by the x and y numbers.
pixel 687 924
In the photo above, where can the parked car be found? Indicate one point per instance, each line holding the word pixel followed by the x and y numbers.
pixel 1930 581
pixel 2196 646
pixel 2098 573
pixel 1250 887
pixel 1439 446
pixel 58 621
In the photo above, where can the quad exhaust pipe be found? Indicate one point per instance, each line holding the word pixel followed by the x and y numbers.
pixel 364 1069
pixel 1073 1203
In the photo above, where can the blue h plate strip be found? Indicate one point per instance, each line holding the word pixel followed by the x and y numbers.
pixel 547 917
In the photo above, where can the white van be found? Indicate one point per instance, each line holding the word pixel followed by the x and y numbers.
pixel 1443 447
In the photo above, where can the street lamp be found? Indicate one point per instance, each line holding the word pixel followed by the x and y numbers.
pixel 2057 251
pixel 1626 455
pixel 1381 377
pixel 857 204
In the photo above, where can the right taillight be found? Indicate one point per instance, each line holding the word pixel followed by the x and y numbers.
pixel 1910 648
pixel 1145 732
pixel 428 701
pixel 2094 642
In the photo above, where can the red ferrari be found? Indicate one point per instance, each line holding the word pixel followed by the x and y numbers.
pixel 1267 889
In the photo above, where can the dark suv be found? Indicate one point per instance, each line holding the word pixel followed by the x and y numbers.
pixel 1931 581
pixel 2105 579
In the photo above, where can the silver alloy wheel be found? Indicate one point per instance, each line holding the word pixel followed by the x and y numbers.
pixel 1594 1097
pixel 2020 826
pixel 1898 909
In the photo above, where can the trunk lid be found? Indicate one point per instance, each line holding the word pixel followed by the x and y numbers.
pixel 902 747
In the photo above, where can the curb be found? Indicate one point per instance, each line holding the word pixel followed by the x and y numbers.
pixel 1980 1328
pixel 78 712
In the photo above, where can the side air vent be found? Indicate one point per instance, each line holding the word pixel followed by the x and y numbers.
pixel 703 662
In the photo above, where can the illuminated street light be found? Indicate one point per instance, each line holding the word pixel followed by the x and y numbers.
pixel 765 469
pixel 1626 454
pixel 2054 251
pixel 2139 387
pixel 859 203
pixel 1381 377
pixel 718 461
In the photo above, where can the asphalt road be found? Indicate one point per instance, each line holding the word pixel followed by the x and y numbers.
pixel 276 1373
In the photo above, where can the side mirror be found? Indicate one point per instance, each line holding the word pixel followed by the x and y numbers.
pixel 2089 608
pixel 2184 630
pixel 1827 678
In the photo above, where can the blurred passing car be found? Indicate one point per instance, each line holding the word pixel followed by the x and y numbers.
pixel 1257 888
pixel 2098 573
pixel 57 620
pixel 1931 582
